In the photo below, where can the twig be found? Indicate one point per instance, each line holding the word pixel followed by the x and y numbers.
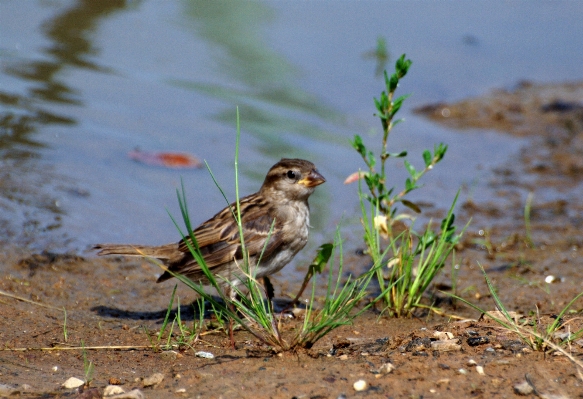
pixel 29 301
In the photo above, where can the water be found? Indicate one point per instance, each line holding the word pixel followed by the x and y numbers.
pixel 82 83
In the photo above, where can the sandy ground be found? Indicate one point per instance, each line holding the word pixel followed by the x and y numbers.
pixel 114 303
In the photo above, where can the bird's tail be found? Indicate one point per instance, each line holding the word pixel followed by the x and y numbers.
pixel 160 252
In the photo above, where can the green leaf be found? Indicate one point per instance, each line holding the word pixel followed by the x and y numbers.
pixel 427 158
pixel 397 154
pixel 322 258
pixel 359 145
pixel 410 168
pixel 393 83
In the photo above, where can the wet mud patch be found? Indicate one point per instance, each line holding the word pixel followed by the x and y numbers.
pixel 114 306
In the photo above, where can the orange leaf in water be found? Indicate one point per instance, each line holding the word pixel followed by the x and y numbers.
pixel 176 160
pixel 355 177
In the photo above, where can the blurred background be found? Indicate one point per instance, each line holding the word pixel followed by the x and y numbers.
pixel 83 83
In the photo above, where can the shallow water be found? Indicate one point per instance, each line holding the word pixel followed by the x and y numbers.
pixel 82 83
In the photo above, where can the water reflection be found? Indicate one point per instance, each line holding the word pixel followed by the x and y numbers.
pixel 27 188
pixel 258 80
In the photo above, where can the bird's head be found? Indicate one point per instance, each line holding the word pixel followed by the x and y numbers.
pixel 292 179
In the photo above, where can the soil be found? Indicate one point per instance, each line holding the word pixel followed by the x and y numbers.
pixel 535 272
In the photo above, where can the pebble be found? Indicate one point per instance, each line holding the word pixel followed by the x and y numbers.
pixel 205 355
pixel 360 385
pixel 480 370
pixel 73 383
pixel 386 368
pixel 523 388
pixel 169 355
pixel 443 335
pixel 154 379
pixel 463 371
pixel 446 345
pixel 111 390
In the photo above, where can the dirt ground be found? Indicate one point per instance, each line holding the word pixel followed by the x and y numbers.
pixel 119 313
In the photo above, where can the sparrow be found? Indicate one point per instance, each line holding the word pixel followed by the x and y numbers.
pixel 275 222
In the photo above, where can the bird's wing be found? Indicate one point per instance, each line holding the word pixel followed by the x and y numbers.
pixel 219 240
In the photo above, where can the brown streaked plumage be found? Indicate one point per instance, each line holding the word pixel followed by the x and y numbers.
pixel 282 202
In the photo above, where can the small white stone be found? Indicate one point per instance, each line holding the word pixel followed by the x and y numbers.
pixel 205 355
pixel 73 383
pixel 480 370
pixel 360 385
pixel 463 371
pixel 111 390
pixel 180 390
pixel 472 362
pixel 55 369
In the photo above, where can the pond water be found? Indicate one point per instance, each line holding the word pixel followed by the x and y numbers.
pixel 83 83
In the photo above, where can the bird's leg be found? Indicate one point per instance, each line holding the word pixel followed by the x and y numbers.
pixel 269 291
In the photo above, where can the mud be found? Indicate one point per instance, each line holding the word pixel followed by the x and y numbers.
pixel 117 316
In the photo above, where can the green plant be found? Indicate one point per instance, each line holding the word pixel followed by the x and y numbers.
pixel 247 305
pixel 410 258
pixel 184 336
pixel 88 366
pixel 531 331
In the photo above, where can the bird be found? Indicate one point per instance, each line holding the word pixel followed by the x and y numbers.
pixel 275 223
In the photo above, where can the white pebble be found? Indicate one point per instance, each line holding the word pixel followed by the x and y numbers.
pixel 480 370
pixel 205 355
pixel 73 382
pixel 360 385
pixel 55 368
pixel 111 390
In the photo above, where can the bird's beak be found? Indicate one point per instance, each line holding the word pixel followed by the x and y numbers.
pixel 313 179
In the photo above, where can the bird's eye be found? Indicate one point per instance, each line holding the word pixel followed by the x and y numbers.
pixel 291 174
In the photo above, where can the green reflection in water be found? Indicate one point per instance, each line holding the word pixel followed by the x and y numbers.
pixel 258 80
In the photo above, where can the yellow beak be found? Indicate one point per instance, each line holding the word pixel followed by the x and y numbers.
pixel 313 179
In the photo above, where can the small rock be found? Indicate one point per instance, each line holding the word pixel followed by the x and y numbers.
pixel 360 385
pixel 446 345
pixel 55 369
pixel 111 390
pixel 463 371
pixel 180 390
pixel 169 355
pixel 523 388
pixel 154 379
pixel 443 335
pixel 343 357
pixel 475 341
pixel 443 381
pixel 386 368
pixel 73 383
pixel 133 394
pixel 471 362
pixel 480 370
pixel 205 355
pixel 114 381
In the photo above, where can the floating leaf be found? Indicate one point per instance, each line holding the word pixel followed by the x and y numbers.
pixel 355 177
pixel 175 160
